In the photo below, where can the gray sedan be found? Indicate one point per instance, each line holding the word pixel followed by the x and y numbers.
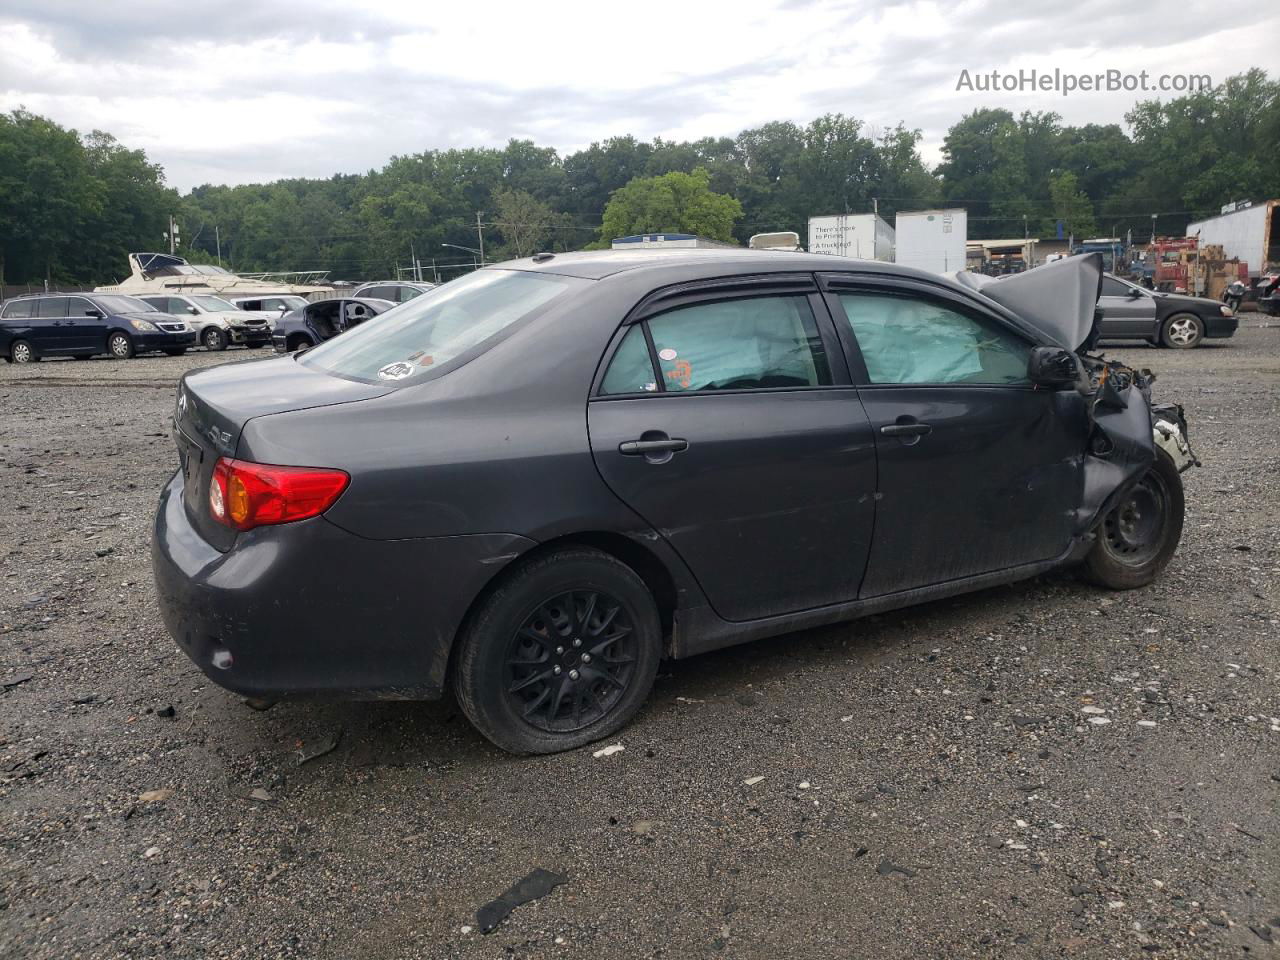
pixel 532 483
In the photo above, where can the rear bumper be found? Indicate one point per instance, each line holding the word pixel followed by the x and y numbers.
pixel 1221 326
pixel 307 608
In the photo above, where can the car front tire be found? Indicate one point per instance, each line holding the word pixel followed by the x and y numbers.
pixel 562 653
pixel 1182 331
pixel 213 339
pixel 1138 537
pixel 120 346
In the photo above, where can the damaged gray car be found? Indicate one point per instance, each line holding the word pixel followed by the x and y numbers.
pixel 531 484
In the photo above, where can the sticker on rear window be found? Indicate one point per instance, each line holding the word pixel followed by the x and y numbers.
pixel 667 354
pixel 396 371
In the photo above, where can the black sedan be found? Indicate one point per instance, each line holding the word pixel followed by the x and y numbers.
pixel 322 320
pixel 1131 312
pixel 534 482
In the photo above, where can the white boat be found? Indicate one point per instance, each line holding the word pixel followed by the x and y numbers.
pixel 160 273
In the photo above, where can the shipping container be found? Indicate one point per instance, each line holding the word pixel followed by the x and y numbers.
pixel 932 240
pixel 1250 234
pixel 862 235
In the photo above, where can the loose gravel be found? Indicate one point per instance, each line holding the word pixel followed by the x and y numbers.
pixel 1044 769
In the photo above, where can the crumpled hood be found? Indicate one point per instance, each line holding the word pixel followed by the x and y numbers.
pixel 1057 298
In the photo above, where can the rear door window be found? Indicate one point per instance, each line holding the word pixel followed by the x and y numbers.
pixel 905 339
pixel 51 307
pixel 755 343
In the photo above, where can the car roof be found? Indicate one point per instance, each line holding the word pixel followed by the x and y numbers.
pixel 599 264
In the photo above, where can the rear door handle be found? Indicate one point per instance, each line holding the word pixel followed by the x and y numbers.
pixel 906 429
pixel 637 448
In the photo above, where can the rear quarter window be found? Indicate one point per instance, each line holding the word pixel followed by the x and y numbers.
pixel 18 310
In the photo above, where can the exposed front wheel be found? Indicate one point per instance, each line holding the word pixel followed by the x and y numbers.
pixel 20 352
pixel 297 343
pixel 1182 331
pixel 213 339
pixel 562 653
pixel 120 346
pixel 1137 538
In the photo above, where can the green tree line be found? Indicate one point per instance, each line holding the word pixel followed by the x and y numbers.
pixel 72 206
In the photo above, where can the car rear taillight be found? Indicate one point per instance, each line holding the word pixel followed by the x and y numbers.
pixel 245 495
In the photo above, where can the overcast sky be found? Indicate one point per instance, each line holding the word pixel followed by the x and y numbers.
pixel 220 92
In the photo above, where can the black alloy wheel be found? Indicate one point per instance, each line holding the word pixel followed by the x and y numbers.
pixel 571 661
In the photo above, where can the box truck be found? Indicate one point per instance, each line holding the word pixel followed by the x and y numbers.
pixel 932 240
pixel 862 235
pixel 1249 232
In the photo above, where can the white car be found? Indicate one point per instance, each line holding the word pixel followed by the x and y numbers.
pixel 218 323
pixel 277 305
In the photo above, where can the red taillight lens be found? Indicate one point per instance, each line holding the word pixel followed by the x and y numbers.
pixel 245 495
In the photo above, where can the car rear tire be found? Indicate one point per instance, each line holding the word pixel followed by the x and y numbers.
pixel 20 351
pixel 1138 537
pixel 213 339
pixel 562 653
pixel 297 343
pixel 120 346
pixel 1182 331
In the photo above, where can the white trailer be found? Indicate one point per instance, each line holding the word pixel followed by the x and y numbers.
pixel 862 235
pixel 932 240
pixel 1247 233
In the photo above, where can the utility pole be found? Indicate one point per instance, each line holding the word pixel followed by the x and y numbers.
pixel 217 239
pixel 173 236
pixel 480 234
pixel 875 206
pixel 413 261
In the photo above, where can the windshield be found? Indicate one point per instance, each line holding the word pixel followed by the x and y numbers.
pixel 216 304
pixel 119 304
pixel 429 331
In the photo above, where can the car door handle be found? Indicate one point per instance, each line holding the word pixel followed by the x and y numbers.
pixel 906 429
pixel 636 448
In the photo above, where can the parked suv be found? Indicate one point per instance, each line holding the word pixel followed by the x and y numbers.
pixel 218 323
pixel 86 324
pixel 397 291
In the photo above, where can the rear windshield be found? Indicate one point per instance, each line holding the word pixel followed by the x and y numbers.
pixel 455 321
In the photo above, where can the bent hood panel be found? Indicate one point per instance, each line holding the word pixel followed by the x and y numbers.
pixel 1057 298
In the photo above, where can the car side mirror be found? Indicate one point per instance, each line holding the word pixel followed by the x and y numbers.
pixel 1134 293
pixel 192 310
pixel 1052 366
pixel 93 313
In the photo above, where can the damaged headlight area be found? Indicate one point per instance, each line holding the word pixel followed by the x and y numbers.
pixel 1128 430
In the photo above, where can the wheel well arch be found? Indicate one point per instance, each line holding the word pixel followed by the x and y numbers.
pixel 646 564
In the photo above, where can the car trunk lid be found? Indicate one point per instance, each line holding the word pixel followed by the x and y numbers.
pixel 213 406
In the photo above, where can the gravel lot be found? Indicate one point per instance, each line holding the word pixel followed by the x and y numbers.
pixel 936 783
